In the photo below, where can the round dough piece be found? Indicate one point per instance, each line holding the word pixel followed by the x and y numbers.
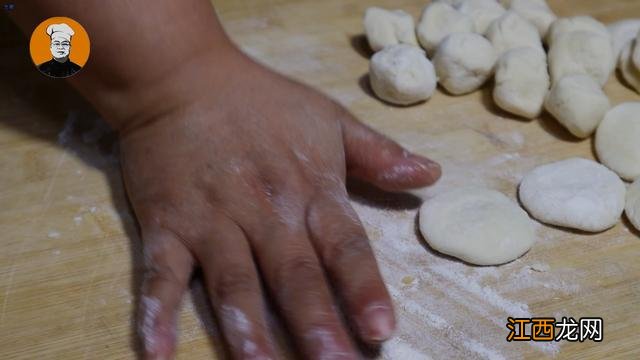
pixel 537 12
pixel 578 103
pixel 402 74
pixel 621 33
pixel 630 73
pixel 576 23
pixel 388 27
pixel 464 62
pixel 438 20
pixel 479 226
pixel 482 12
pixel 521 82
pixel 632 208
pixel 581 52
pixel 511 31
pixel 618 140
pixel 575 193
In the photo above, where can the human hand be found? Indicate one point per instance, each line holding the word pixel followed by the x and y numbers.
pixel 242 172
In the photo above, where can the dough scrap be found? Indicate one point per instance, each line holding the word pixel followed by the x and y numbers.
pixel 575 193
pixel 535 11
pixel 482 12
pixel 632 207
pixel 630 73
pixel 581 52
pixel 464 62
pixel 521 82
pixel 402 74
pixel 622 32
pixel 439 20
pixel 618 140
pixel 576 23
pixel 578 103
pixel 388 27
pixel 479 226
pixel 511 31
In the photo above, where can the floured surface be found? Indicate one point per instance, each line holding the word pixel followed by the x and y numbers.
pixel 67 232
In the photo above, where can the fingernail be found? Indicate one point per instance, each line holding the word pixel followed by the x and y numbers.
pixel 431 168
pixel 425 163
pixel 380 323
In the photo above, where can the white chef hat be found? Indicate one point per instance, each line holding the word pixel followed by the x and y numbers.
pixel 60 30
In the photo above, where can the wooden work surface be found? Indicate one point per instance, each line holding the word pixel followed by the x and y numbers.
pixel 70 260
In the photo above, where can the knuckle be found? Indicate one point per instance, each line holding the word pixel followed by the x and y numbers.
pixel 256 183
pixel 160 273
pixel 161 245
pixel 235 282
pixel 338 230
pixel 346 248
pixel 298 185
pixel 301 269
pixel 330 212
pixel 165 260
pixel 154 253
pixel 293 186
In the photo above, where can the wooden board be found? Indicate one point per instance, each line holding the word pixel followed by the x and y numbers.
pixel 69 265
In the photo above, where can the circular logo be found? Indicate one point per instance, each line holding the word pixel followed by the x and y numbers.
pixel 59 47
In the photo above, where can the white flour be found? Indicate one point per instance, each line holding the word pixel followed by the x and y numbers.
pixel 398 349
pixel 150 309
pixel 439 300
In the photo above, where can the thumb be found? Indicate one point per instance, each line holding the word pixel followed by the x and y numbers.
pixel 374 158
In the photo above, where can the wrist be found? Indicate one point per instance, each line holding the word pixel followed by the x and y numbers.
pixel 128 105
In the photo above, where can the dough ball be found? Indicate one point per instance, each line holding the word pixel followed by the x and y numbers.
pixel 630 73
pixel 581 52
pixel 622 32
pixel 402 74
pixel 388 27
pixel 464 62
pixel 521 82
pixel 632 208
pixel 482 12
pixel 537 12
pixel 575 193
pixel 576 23
pixel 578 103
pixel 479 226
pixel 618 140
pixel 511 31
pixel 438 20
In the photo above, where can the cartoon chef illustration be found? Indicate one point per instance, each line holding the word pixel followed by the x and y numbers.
pixel 60 66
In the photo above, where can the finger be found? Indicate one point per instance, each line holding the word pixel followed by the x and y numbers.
pixel 296 280
pixel 234 289
pixel 343 247
pixel 375 158
pixel 168 266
